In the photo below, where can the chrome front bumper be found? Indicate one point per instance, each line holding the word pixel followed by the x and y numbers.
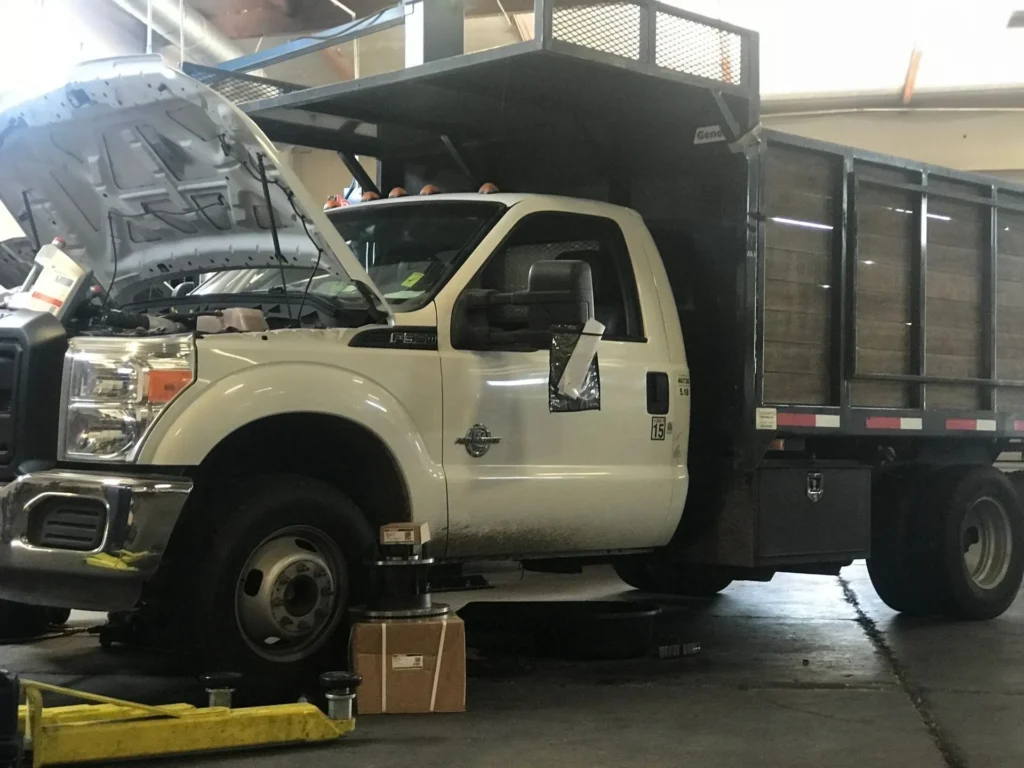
pixel 140 514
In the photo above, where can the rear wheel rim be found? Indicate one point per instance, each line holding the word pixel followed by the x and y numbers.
pixel 290 594
pixel 986 538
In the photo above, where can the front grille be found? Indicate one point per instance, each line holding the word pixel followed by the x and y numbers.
pixel 67 523
pixel 10 359
pixel 32 347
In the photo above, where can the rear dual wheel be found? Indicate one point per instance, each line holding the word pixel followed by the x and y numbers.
pixel 948 542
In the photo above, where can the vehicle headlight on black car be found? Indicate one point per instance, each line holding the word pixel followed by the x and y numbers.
pixel 114 390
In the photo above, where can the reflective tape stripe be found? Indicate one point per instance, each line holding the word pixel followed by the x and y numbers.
pixel 816 420
pixel 893 422
pixel 971 425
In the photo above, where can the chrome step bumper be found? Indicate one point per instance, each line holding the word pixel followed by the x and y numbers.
pixel 98 570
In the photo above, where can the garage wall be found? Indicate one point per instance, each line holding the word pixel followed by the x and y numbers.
pixel 322 172
pixel 988 141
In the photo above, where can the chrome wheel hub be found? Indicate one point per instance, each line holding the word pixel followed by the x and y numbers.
pixel 289 594
pixel 987 539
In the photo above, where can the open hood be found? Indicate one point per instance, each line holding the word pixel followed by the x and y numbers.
pixel 148 174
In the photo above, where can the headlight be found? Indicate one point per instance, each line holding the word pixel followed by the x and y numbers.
pixel 115 388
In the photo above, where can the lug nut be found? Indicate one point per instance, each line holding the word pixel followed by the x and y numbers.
pixel 340 691
pixel 220 687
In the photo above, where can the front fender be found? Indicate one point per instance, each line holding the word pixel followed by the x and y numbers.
pixel 209 411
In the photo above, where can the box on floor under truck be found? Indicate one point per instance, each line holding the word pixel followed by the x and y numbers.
pixel 288 447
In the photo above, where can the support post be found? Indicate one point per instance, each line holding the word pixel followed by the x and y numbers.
pixel 435 29
pixel 366 184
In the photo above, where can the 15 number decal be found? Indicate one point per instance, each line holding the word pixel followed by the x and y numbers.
pixel 658 427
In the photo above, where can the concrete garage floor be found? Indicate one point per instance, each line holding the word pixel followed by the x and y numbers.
pixel 803 671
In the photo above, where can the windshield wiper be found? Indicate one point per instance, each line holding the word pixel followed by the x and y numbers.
pixel 332 306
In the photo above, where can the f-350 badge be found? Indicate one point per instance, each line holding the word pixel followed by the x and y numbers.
pixel 478 440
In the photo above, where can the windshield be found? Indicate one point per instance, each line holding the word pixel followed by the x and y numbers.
pixel 408 249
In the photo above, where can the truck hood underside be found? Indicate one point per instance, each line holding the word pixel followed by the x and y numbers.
pixel 147 175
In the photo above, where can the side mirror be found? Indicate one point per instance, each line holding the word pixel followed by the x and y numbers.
pixel 183 289
pixel 559 299
pixel 560 294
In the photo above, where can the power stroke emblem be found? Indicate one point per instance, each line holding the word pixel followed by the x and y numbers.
pixel 478 440
pixel 815 486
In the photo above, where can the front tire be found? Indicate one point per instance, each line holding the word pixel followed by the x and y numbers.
pixel 274 575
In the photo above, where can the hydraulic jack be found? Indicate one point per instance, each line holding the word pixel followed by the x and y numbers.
pixel 114 729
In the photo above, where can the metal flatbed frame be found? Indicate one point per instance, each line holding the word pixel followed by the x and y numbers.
pixel 648 53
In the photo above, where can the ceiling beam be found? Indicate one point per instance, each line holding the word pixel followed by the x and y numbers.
pixel 289 18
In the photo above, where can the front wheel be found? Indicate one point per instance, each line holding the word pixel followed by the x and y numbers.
pixel 650 573
pixel 274 577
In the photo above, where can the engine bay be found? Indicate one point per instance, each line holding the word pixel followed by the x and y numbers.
pixel 60 286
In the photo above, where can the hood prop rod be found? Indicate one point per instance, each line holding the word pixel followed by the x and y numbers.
pixel 273 231
pixel 31 218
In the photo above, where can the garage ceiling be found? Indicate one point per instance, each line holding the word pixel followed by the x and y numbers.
pixel 255 18
pixel 814 54
pixel 873 53
pixel 877 52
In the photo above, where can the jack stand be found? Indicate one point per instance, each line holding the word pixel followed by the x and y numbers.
pixel 114 729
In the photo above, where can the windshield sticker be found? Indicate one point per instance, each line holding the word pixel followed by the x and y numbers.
pixel 412 279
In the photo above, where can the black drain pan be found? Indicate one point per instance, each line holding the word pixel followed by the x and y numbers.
pixel 599 629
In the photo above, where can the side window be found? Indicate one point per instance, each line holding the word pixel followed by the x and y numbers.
pixel 595 240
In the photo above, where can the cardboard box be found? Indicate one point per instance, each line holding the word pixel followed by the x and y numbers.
pixel 405 533
pixel 410 665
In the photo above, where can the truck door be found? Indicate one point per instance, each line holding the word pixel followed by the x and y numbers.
pixel 525 476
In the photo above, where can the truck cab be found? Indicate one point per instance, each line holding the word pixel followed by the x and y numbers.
pixel 552 449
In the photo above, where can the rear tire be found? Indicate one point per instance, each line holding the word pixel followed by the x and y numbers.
pixel 649 573
pixel 898 565
pixel 977 543
pixel 947 542
pixel 274 573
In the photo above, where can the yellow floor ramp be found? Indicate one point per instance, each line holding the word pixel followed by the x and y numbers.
pixel 112 729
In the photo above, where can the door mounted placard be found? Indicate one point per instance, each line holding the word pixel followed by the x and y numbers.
pixel 562 346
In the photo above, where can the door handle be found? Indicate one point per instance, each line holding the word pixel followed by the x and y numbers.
pixel 657 393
